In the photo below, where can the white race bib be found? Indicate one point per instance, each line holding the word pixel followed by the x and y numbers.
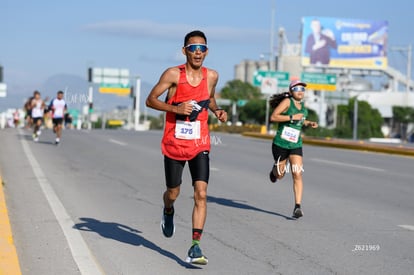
pixel 290 134
pixel 187 129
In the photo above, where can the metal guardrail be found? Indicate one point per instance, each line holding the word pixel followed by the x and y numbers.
pixel 361 145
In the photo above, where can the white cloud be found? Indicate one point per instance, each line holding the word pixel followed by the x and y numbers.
pixel 151 29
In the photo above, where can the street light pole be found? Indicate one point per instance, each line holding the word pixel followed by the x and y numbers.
pixel 90 107
pixel 271 60
pixel 409 50
pixel 409 55
pixel 355 128
pixel 272 32
pixel 267 113
pixel 137 102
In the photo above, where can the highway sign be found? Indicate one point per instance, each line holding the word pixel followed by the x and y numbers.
pixel 3 90
pixel 118 89
pixel 269 85
pixel 223 101
pixel 241 102
pixel 282 78
pixel 318 81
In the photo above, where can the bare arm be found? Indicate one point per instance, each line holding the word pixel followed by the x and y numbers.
pixel 33 103
pixel 281 108
pixel 212 83
pixel 168 81
pixel 313 124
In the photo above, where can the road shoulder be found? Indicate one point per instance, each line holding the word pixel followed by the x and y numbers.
pixel 9 263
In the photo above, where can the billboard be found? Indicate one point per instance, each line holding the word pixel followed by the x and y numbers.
pixel 344 43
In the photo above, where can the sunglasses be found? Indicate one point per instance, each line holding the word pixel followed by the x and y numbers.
pixel 194 47
pixel 298 89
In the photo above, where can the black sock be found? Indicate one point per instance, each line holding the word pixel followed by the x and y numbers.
pixel 297 205
pixel 169 210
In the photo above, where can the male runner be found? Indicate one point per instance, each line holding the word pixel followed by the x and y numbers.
pixel 191 89
pixel 38 106
pixel 58 108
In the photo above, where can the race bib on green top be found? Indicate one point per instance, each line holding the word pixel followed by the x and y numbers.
pixel 187 129
pixel 290 134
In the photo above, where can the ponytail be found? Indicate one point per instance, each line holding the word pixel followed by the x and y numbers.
pixel 275 99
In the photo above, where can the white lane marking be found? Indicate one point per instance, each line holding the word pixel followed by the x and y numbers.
pixel 214 169
pixel 348 165
pixel 405 226
pixel 78 247
pixel 117 142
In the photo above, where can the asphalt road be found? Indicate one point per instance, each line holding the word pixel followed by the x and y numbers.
pixel 92 205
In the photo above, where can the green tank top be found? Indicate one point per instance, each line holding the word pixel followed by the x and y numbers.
pixel 289 135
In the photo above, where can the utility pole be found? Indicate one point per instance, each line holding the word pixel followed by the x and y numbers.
pixel 272 38
pixel 271 61
pixel 409 56
pixel 137 102
pixel 355 126
pixel 280 50
pixel 409 51
pixel 90 98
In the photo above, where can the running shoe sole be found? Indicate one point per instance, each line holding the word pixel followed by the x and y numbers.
pixel 201 260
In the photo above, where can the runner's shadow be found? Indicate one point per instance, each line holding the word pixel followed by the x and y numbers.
pixel 25 136
pixel 30 138
pixel 242 205
pixel 125 234
pixel 44 142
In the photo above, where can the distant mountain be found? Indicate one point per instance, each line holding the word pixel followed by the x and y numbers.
pixel 17 95
pixel 76 95
pixel 76 91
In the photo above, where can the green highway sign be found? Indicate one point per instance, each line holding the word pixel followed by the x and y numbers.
pixel 318 81
pixel 282 78
pixel 241 102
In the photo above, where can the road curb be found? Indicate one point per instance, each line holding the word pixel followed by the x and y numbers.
pixel 344 144
pixel 9 263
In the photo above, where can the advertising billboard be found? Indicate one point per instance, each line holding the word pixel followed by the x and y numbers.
pixel 344 43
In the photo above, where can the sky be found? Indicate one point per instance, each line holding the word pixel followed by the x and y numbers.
pixel 43 38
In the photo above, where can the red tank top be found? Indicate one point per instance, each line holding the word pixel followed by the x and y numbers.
pixel 180 141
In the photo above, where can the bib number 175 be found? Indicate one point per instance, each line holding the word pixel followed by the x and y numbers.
pixel 187 129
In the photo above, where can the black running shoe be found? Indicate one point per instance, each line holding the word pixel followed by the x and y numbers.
pixel 272 176
pixel 195 256
pixel 167 224
pixel 297 213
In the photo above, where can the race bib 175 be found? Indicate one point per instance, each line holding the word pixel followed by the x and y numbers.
pixel 187 129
